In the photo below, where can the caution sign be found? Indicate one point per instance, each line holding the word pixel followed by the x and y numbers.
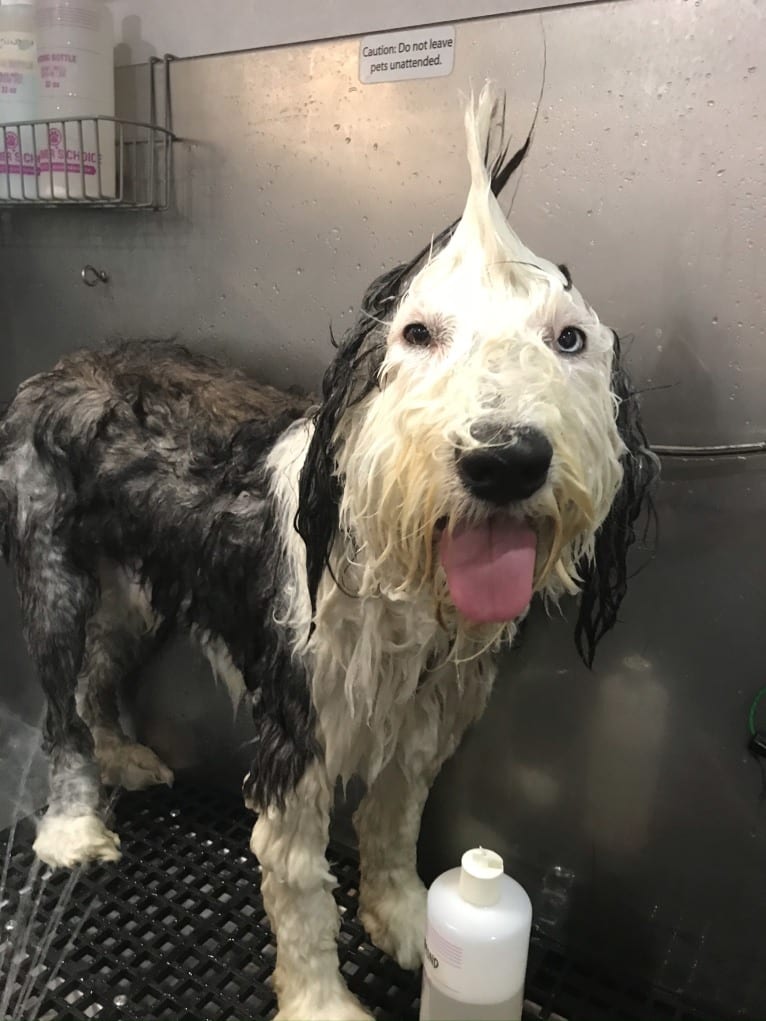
pixel 399 56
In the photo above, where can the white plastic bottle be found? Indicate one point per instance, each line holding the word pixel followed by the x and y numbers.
pixel 477 940
pixel 18 97
pixel 75 57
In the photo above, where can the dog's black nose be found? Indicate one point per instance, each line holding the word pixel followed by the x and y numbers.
pixel 511 466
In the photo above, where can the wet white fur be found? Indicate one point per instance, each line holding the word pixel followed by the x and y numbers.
pixel 225 672
pixel 64 841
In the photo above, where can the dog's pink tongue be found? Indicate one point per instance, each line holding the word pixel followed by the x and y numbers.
pixel 490 569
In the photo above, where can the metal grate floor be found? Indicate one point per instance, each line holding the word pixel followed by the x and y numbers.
pixel 177 931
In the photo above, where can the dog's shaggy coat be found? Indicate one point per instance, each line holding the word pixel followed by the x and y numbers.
pixel 476 419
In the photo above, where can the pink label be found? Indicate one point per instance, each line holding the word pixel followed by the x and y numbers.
pixel 11 82
pixel 59 157
pixel 57 58
pixel 73 167
pixel 54 68
pixel 15 168
pixel 13 161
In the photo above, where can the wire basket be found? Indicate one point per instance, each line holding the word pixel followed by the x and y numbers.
pixel 103 162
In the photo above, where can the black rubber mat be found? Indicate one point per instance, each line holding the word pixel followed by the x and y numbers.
pixel 177 930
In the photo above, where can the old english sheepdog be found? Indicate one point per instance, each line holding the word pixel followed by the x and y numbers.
pixel 353 562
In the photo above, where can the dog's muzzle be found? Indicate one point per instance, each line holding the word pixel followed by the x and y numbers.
pixel 512 465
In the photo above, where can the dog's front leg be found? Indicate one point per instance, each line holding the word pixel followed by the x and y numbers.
pixel 392 897
pixel 290 844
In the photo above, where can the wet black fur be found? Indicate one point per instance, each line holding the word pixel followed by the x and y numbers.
pixel 155 459
pixel 605 578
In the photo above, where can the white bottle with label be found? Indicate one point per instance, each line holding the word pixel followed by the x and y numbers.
pixel 477 940
pixel 18 98
pixel 75 57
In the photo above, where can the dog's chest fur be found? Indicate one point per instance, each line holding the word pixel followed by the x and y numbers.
pixel 373 663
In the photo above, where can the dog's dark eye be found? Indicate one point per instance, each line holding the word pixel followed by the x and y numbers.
pixel 417 334
pixel 571 341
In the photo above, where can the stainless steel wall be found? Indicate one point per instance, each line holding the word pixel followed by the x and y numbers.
pixel 624 798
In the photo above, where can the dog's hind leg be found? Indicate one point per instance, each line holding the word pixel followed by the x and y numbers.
pixel 120 636
pixel 290 844
pixel 392 897
pixel 56 598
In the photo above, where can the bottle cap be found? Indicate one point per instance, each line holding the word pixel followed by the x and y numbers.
pixel 481 877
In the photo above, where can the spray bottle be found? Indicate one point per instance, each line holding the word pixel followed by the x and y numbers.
pixel 477 939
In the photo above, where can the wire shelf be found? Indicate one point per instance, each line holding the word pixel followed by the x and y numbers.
pixel 98 162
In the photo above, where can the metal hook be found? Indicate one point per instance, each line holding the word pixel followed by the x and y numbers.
pixel 92 276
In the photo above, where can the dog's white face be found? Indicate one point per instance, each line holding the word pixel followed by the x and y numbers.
pixel 483 465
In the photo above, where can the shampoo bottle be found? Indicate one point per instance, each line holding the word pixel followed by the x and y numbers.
pixel 18 98
pixel 477 939
pixel 75 56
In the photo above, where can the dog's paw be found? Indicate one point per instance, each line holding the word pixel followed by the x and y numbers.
pixel 64 841
pixel 128 765
pixel 315 995
pixel 394 915
pixel 341 1007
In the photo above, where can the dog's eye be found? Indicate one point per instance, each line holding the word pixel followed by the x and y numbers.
pixel 571 341
pixel 417 334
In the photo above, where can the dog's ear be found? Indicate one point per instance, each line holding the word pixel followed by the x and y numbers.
pixel 605 576
pixel 350 377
